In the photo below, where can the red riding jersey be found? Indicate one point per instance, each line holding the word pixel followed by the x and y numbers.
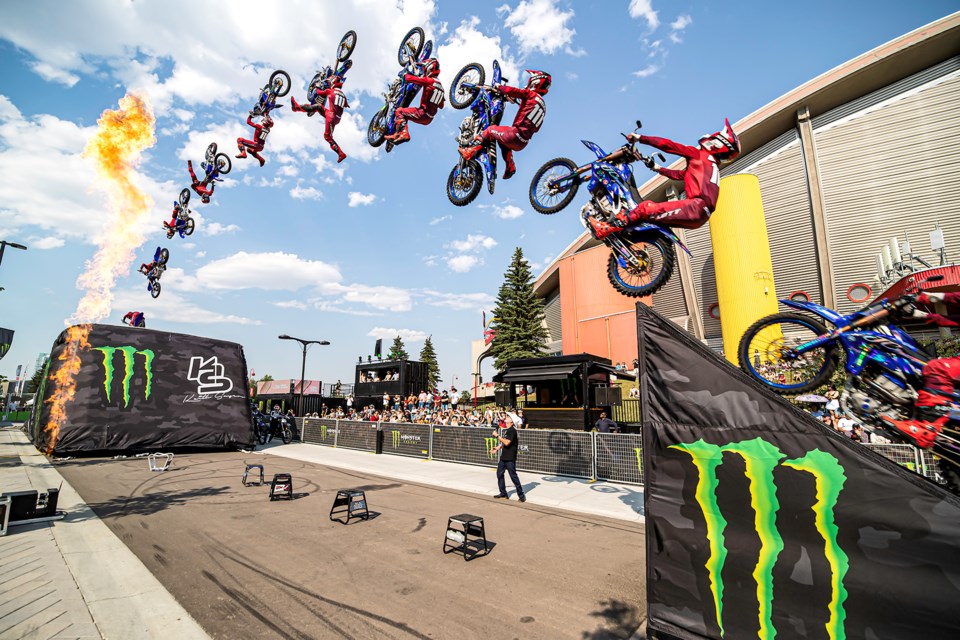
pixel 431 97
pixel 532 110
pixel 701 177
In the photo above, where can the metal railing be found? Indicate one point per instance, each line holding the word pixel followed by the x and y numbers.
pixel 617 457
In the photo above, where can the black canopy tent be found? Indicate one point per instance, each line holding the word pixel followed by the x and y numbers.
pixel 570 390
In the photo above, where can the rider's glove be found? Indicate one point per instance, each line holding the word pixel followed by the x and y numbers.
pixel 910 311
pixel 930 298
pixel 653 166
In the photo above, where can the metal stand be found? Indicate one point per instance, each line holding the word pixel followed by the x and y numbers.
pixel 159 461
pixel 247 470
pixel 281 486
pixel 465 534
pixel 349 502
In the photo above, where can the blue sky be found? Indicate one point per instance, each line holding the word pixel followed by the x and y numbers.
pixel 369 248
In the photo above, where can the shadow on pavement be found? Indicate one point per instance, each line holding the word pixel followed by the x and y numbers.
pixel 624 617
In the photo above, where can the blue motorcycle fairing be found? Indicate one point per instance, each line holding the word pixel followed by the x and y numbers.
pixel 861 348
pixel 832 316
pixel 497 76
pixel 595 148
pixel 666 232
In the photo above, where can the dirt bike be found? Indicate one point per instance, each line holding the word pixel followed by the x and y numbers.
pixel 487 104
pixel 218 164
pixel 344 51
pixel 277 87
pixel 642 255
pixel 160 258
pixel 399 94
pixel 185 224
pixel 276 426
pixel 791 353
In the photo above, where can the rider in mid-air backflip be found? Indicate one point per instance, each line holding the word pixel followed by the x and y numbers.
pixel 527 122
pixel 431 100
pixel 326 98
pixel 260 133
pixel 135 319
pixel 204 188
pixel 175 225
pixel 701 183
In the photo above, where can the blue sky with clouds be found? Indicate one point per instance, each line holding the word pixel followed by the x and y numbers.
pixel 369 248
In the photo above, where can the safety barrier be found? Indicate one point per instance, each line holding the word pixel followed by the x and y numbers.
pixel 617 457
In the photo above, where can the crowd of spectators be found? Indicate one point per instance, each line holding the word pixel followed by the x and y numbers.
pixel 374 376
pixel 414 411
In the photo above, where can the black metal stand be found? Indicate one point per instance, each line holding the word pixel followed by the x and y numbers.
pixel 465 534
pixel 281 486
pixel 349 502
pixel 247 470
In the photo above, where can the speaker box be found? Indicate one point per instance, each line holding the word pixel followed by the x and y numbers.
pixel 502 397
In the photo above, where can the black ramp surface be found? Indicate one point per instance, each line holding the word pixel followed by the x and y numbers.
pixel 761 522
pixel 140 389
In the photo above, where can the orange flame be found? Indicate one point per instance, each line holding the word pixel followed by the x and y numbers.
pixel 121 138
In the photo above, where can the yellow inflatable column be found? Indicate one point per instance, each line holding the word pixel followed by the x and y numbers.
pixel 741 259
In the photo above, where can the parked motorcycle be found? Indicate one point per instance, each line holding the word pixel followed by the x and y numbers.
pixel 185 223
pixel 272 426
pixel 413 50
pixel 791 353
pixel 486 104
pixel 642 255
pixel 277 87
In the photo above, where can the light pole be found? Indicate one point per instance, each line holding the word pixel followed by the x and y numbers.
pixel 4 244
pixel 303 368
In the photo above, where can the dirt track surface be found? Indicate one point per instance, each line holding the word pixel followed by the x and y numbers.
pixel 246 567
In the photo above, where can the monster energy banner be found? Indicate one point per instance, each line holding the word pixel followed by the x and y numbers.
pixel 404 439
pixel 471 445
pixel 6 339
pixel 141 389
pixel 761 523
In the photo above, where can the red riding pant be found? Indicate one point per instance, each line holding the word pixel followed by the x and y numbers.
pixel 942 374
pixel 689 214
pixel 412 114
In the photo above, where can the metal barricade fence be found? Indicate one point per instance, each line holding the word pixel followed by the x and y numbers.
pixel 320 431
pixel 904 455
pixel 353 434
pixel 930 466
pixel 469 445
pixel 565 453
pixel 405 439
pixel 619 457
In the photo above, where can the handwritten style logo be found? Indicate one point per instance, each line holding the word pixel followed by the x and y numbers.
pixel 208 373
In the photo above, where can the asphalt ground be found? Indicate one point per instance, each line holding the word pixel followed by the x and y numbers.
pixel 247 567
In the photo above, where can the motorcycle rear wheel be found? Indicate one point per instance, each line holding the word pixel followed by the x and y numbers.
pixel 184 197
pixel 463 189
pixel 155 289
pixel 541 195
pixel 347 43
pixel 637 282
pixel 211 153
pixel 286 434
pixel 164 256
pixel 283 87
pixel 411 45
pixel 376 130
pixel 224 165
pixel 769 338
pixel 188 226
pixel 461 97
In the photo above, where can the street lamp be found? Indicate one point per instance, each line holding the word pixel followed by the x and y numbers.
pixel 4 244
pixel 303 368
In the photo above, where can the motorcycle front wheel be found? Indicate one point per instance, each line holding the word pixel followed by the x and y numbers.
pixel 223 164
pixel 286 434
pixel 767 352
pixel 347 43
pixel 155 289
pixel 460 96
pixel 211 152
pixel 188 226
pixel 164 256
pixel 649 267
pixel 377 128
pixel 554 186
pixel 411 45
pixel 184 197
pixel 464 186
pixel 280 83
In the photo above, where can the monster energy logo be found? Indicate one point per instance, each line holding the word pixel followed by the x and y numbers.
pixel 491 444
pixel 639 453
pixel 399 437
pixel 128 365
pixel 760 459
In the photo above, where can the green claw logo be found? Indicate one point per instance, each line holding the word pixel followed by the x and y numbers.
pixel 491 444
pixel 128 366
pixel 760 459
pixel 396 439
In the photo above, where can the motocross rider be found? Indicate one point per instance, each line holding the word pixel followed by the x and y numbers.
pixel 134 319
pixel 940 374
pixel 204 188
pixel 327 91
pixel 527 122
pixel 260 133
pixel 701 183
pixel 174 225
pixel 431 100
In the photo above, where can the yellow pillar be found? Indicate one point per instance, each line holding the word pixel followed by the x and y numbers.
pixel 741 259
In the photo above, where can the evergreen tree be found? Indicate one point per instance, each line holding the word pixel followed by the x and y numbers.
pixel 429 357
pixel 397 351
pixel 518 317
pixel 34 382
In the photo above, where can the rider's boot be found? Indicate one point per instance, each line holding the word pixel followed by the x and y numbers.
pixel 921 431
pixel 341 156
pixel 600 229
pixel 243 151
pixel 511 166
pixel 295 106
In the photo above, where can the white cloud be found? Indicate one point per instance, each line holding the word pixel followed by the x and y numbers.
pixel 463 263
pixel 473 243
pixel 272 271
pixel 357 199
pixel 459 301
pixel 291 304
pixel 52 74
pixel 378 297
pixel 468 44
pixel 571 76
pixel 49 242
pixel 201 254
pixel 539 25
pixel 216 229
pixel 172 307
pixel 507 211
pixel 440 219
pixel 677 27
pixel 305 193
pixel 644 9
pixel 647 71
pixel 407 335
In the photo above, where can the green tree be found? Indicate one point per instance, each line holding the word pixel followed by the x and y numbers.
pixel 518 322
pixel 429 357
pixel 397 351
pixel 465 397
pixel 34 382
